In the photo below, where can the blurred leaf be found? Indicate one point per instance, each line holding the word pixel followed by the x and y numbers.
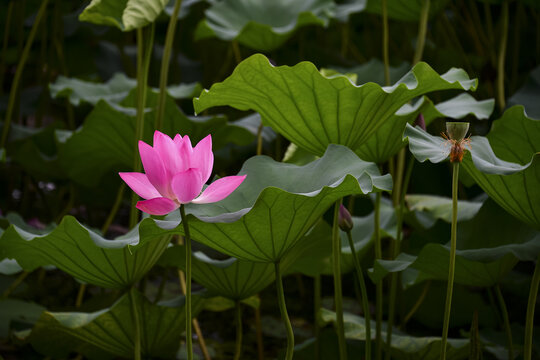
pixel 405 10
pixel 84 254
pixel 17 314
pixel 295 100
pixel 404 347
pixel 513 137
pixel 262 25
pixel 276 204
pixel 439 207
pixel 110 332
pixel 328 347
pixel 126 15
pixel 9 267
pixel 371 71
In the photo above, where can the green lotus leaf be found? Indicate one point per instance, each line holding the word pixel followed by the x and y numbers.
pixel 404 346
pixel 17 314
pixel 405 10
pixel 126 15
pixel 109 333
pixel 106 140
pixel 488 247
pixel 295 101
pixel 371 71
pixel 113 91
pixel 528 95
pixel 435 207
pixel 344 9
pixel 262 25
pixel 83 253
pixel 513 137
pixel 9 267
pixel 275 205
pixel 185 7
pixel 317 256
pixel 386 142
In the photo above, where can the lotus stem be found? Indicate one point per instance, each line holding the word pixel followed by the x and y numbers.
pixel 452 262
pixel 338 300
pixel 529 319
pixel 386 58
pixel 284 315
pixel 501 58
pixel 80 296
pixel 316 308
pixel 507 328
pixel 114 209
pixel 417 304
pixel 137 325
pixel 422 30
pixel 18 73
pixel 365 302
pixel 378 286
pixel 260 139
pixel 165 61
pixel 189 344
pixel 238 352
pixel 236 52
pixel 144 52
pixel 258 327
pixel 15 284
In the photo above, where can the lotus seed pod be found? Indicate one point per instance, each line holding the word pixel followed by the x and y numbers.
pixel 457 130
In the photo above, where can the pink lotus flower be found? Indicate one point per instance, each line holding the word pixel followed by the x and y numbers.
pixel 175 173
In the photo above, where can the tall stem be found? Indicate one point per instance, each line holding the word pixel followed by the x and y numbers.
pixel 452 262
pixel 189 344
pixel 378 286
pixel 169 38
pixel 137 325
pixel 238 352
pixel 338 300
pixel 18 73
pixel 258 331
pixel 386 59
pixel 316 308
pixel 284 316
pixel 5 43
pixel 422 30
pixel 144 52
pixel 504 312
pixel 365 302
pixel 114 209
pixel 529 320
pixel 502 55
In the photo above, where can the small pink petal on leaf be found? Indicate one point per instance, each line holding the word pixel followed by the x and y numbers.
pixel 166 149
pixel 187 185
pixel 203 158
pixel 219 189
pixel 140 184
pixel 157 206
pixel 154 168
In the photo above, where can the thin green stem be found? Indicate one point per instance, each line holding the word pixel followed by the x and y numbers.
pixel 114 209
pixel 386 58
pixel 137 325
pixel 169 38
pixel 15 284
pixel 187 241
pixel 316 309
pixel 238 352
pixel 338 300
pixel 258 331
pixel 529 320
pixel 378 286
pixel 80 295
pixel 365 302
pixel 284 316
pixel 422 31
pixel 507 328
pixel 502 54
pixel 452 262
pixel 18 73
pixel 417 304
pixel 260 139
pixel 144 51
pixel 236 52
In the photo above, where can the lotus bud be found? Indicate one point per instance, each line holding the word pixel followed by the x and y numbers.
pixel 420 121
pixel 344 219
pixel 457 130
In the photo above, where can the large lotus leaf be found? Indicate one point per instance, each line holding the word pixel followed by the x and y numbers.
pixel 276 204
pixel 514 137
pixel 404 346
pixel 406 10
pixel 83 253
pixel 386 141
pixel 488 248
pixel 344 9
pixel 312 110
pixel 429 208
pixel 232 278
pixel 126 15
pixel 317 257
pixel 528 95
pixel 9 266
pixel 110 332
pixel 17 314
pixel 262 25
pixel 105 142
pixel 113 91
pixel 371 71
